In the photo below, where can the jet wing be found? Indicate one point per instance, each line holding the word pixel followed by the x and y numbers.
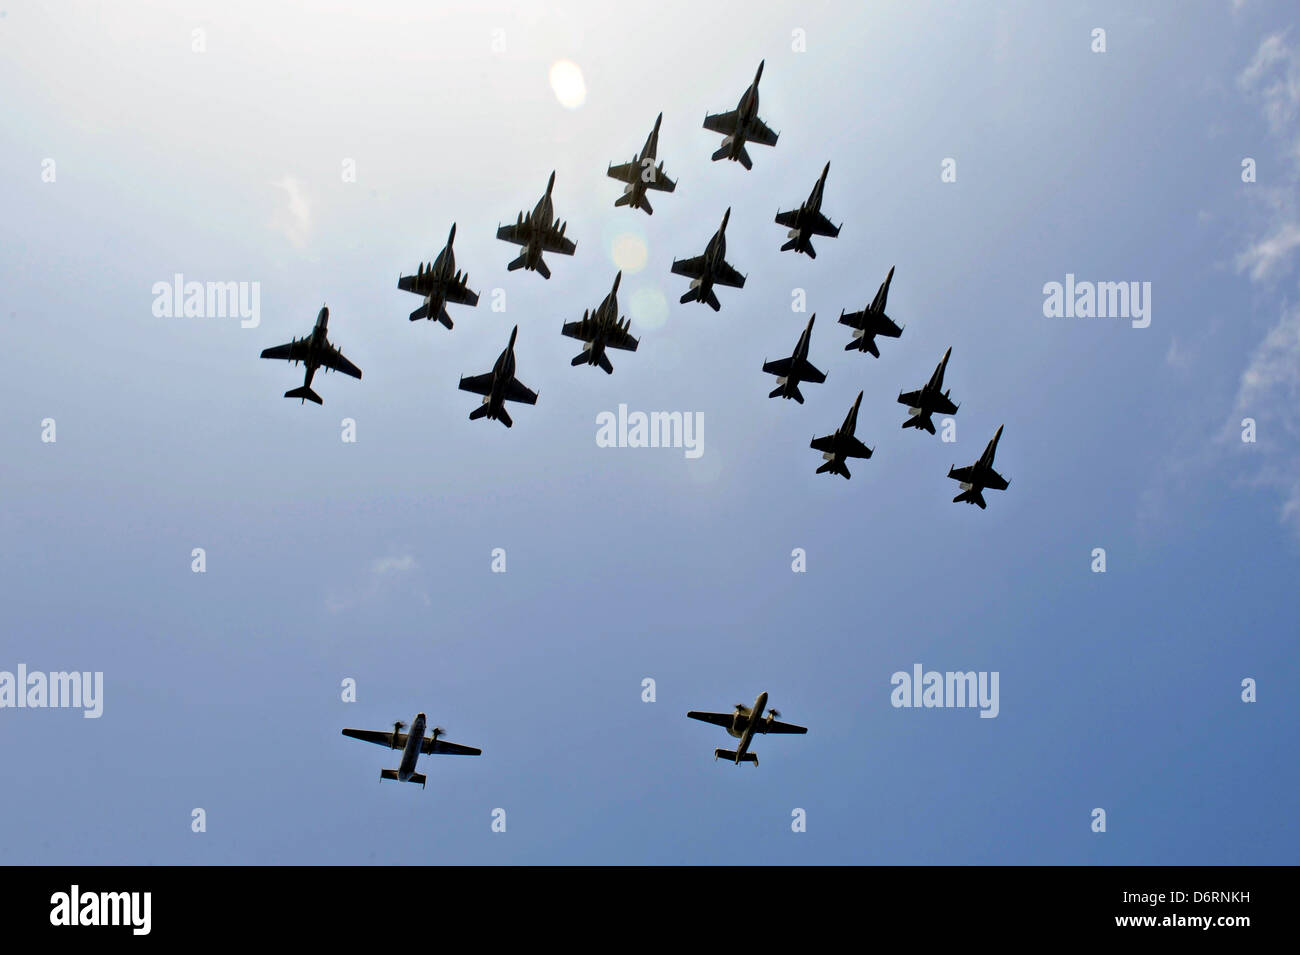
pixel 479 384
pixel 660 183
pixel 942 404
pixel 788 219
pixel 621 339
pixel 333 358
pixel 773 726
pixel 582 331
pixel 992 479
pixel 910 398
pixel 724 123
pixel 854 448
pixel 822 226
pixel 294 351
pixel 516 391
pixel 419 283
pixel 443 748
pixel 810 374
pixel 726 275
pixel 376 736
pixel 553 241
pixel 625 172
pixel 824 444
pixel 966 475
pixel 779 367
pixel 761 134
pixel 516 232
pixel 717 719
pixel 461 295
pixel 692 268
pixel 884 325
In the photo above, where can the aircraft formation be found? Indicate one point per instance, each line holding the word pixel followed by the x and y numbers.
pixel 540 232
pixel 742 723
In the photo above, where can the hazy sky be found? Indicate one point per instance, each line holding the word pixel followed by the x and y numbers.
pixel 218 141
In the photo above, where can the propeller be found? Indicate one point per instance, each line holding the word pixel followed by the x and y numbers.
pixel 774 714
pixel 398 726
pixel 437 731
pixel 739 707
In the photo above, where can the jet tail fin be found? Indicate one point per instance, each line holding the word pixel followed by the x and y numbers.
pixel 305 393
pixel 720 153
pixel 478 412
pixel 579 359
pixel 921 421
pixel 424 311
pixel 709 296
pixel 605 364
pixel 624 200
pixel 731 755
pixel 504 417
pixel 517 263
pixel 392 774
pixel 645 204
pixel 830 467
pixel 806 247
pixel 748 164
pixel 972 496
pixel 543 268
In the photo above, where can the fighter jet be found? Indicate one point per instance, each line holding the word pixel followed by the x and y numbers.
pixel 741 125
pixel 440 282
pixel 743 723
pixel 929 400
pixel 411 746
pixel 871 321
pixel 641 174
pixel 601 330
pixel 843 444
pixel 808 221
pixel 314 351
pixel 790 371
pixel 979 476
pixel 709 269
pixel 538 231
pixel 499 386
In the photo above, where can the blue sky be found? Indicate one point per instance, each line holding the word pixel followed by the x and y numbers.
pixel 372 560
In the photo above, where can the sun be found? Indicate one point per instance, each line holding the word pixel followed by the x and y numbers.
pixel 567 83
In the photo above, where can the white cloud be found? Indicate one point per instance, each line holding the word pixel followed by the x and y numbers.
pixel 1269 392
pixel 383 577
pixel 389 565
pixel 293 217
pixel 1274 75
pixel 1267 255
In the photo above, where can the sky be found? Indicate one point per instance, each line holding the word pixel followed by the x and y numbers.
pixel 321 150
